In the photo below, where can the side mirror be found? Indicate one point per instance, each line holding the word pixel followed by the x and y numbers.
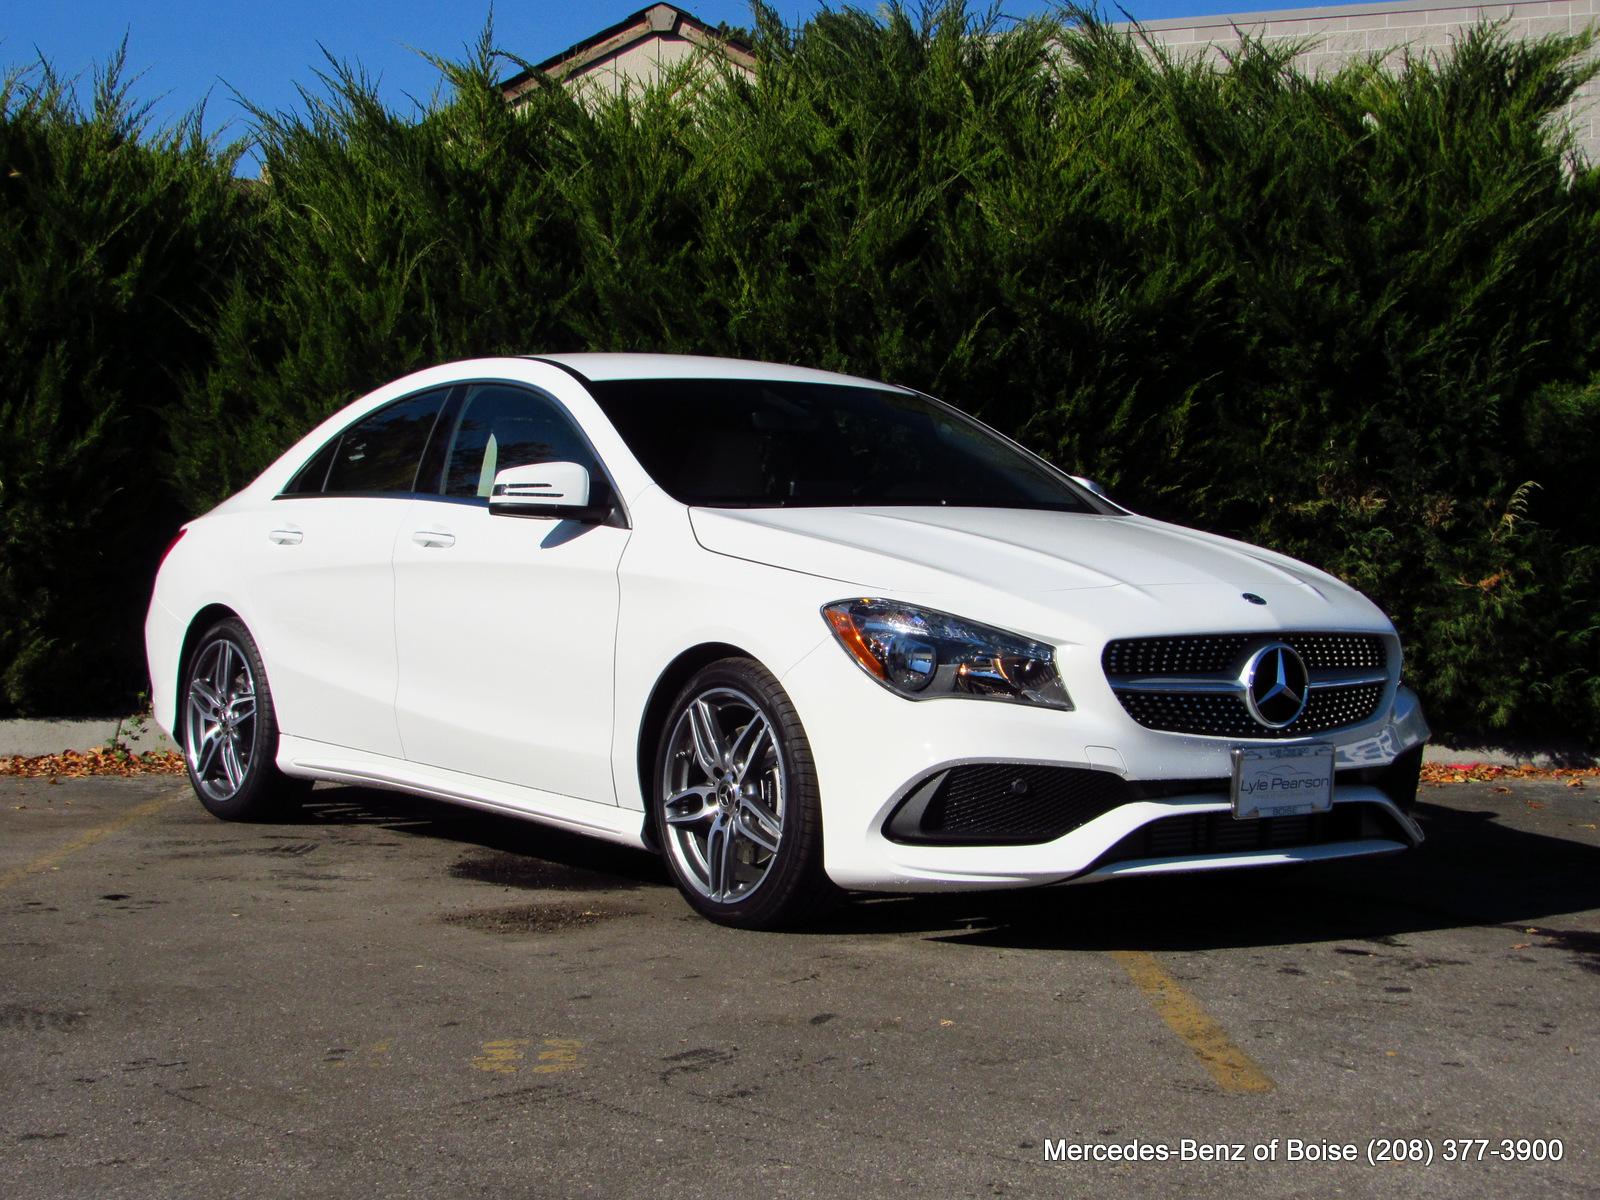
pixel 1093 485
pixel 555 489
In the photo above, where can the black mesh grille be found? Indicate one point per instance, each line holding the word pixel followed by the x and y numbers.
pixel 1220 833
pixel 1208 653
pixel 1334 708
pixel 1001 802
pixel 1223 715
pixel 1226 716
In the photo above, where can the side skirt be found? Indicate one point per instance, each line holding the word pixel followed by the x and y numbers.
pixel 309 759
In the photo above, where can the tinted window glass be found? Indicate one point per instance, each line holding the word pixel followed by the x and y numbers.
pixel 380 453
pixel 504 427
pixel 308 479
pixel 748 443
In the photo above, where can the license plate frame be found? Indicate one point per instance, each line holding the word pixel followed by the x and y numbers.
pixel 1281 781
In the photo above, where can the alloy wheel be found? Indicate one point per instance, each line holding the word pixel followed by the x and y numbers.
pixel 220 719
pixel 723 781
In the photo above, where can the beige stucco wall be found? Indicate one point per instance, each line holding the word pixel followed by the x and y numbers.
pixel 1342 33
pixel 639 65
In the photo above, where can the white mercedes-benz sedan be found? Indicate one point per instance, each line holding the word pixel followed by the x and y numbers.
pixel 797 631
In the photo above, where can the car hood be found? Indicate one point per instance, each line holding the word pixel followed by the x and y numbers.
pixel 1016 551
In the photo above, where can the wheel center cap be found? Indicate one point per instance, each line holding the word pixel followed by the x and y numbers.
pixel 724 795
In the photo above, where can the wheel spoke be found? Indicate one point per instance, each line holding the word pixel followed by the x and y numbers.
pixel 231 766
pixel 749 746
pixel 690 806
pixel 709 750
pixel 223 679
pixel 206 699
pixel 757 826
pixel 207 753
pixel 719 858
pixel 243 706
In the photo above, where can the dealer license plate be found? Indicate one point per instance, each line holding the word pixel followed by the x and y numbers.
pixel 1282 781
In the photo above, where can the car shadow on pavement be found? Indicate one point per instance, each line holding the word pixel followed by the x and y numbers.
pixel 502 850
pixel 1472 871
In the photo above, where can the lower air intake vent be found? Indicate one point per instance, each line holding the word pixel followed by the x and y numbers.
pixel 986 803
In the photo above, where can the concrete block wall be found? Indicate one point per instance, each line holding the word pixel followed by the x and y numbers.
pixel 1339 34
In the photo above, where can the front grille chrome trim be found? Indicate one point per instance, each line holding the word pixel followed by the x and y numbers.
pixel 1229 685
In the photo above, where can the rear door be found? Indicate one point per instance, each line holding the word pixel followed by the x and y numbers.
pixel 506 626
pixel 325 593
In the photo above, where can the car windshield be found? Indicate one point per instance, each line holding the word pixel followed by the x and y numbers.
pixel 737 443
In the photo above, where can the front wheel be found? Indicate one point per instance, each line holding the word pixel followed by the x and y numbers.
pixel 230 729
pixel 736 802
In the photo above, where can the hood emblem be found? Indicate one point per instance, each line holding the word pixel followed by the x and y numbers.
pixel 1275 683
pixel 1253 598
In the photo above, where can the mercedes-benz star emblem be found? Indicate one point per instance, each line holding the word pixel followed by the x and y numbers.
pixel 1275 680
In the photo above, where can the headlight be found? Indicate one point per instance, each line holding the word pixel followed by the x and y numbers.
pixel 919 653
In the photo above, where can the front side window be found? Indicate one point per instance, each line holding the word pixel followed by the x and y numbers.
pixel 503 426
pixel 738 443
pixel 380 452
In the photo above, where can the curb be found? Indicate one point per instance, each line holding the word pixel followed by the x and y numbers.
pixel 33 738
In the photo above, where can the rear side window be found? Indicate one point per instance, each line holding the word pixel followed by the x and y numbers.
pixel 308 480
pixel 504 426
pixel 380 452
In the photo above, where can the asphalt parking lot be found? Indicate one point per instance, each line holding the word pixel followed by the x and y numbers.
pixel 391 997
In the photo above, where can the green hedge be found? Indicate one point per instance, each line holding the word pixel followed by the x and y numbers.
pixel 115 247
pixel 1356 318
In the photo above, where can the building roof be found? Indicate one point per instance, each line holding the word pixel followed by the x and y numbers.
pixel 656 23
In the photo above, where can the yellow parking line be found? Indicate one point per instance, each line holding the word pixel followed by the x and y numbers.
pixel 1231 1067
pixel 84 840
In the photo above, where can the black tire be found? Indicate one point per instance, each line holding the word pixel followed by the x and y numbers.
pixel 234 770
pixel 753 782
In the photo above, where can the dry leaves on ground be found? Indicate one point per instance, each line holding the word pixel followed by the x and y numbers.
pixel 106 760
pixel 1435 774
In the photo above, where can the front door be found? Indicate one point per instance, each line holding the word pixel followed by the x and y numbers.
pixel 505 627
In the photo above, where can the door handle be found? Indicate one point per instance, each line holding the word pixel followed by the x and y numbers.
pixel 433 538
pixel 286 537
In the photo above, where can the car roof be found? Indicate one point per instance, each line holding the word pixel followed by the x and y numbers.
pixel 605 367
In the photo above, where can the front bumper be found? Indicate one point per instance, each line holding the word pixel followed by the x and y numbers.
pixel 874 749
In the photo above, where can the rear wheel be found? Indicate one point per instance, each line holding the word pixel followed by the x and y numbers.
pixel 736 800
pixel 230 729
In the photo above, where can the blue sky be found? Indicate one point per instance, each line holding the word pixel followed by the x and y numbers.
pixel 191 51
